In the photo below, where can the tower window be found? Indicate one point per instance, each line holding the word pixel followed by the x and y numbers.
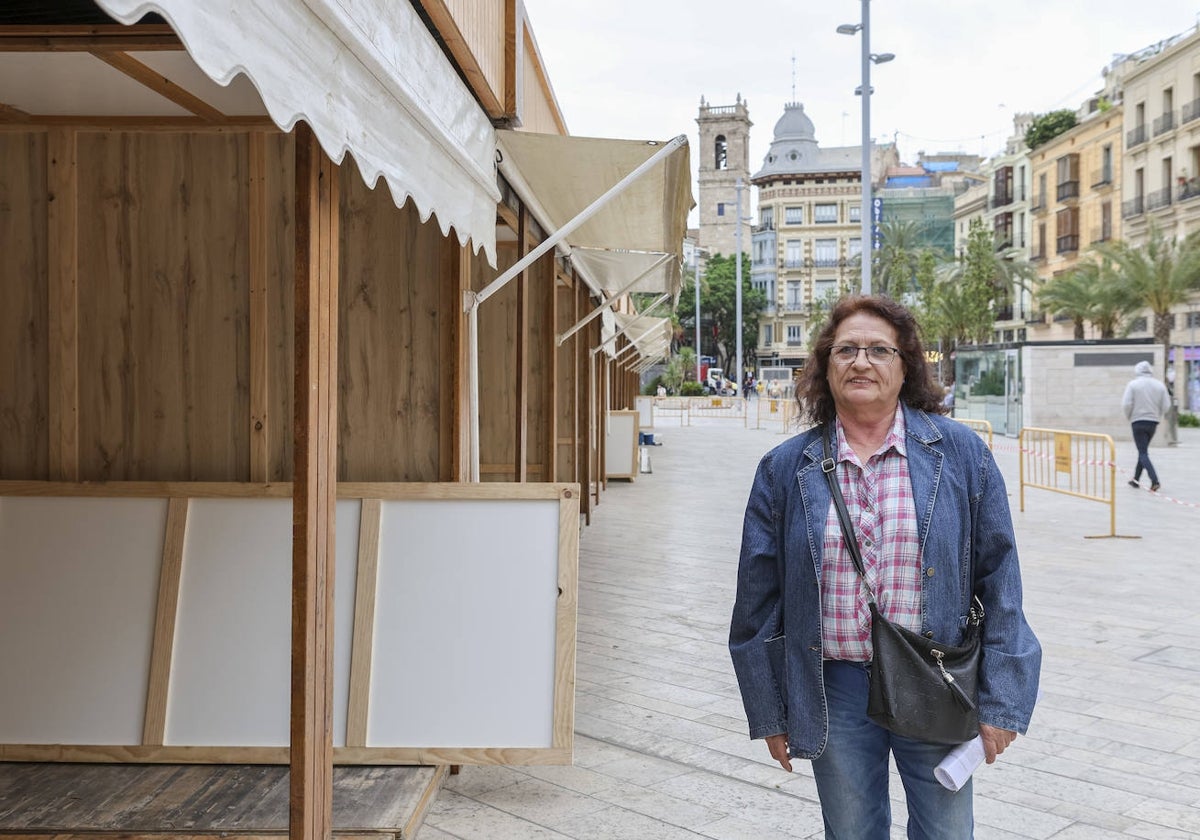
pixel 721 152
pixel 720 208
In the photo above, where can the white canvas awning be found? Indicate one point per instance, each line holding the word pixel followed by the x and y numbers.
pixel 559 178
pixel 649 335
pixel 369 78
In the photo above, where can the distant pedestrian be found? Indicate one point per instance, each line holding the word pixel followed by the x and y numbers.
pixel 1145 402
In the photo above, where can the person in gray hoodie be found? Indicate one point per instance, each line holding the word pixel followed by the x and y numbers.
pixel 1145 402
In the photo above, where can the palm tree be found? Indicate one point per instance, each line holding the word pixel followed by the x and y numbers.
pixel 896 261
pixel 1160 274
pixel 1069 294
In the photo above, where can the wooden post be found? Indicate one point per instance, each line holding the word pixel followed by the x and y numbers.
pixel 314 491
pixel 63 297
pixel 521 426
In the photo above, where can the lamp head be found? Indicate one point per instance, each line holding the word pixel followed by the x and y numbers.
pixel 882 58
pixel 849 28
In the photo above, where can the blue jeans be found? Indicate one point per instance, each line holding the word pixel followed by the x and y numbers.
pixel 1143 433
pixel 852 772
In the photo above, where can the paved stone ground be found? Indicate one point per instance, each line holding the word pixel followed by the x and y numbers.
pixel 661 750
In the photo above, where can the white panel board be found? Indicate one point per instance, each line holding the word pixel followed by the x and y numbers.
pixel 78 588
pixel 465 624
pixel 620 450
pixel 230 674
pixel 644 405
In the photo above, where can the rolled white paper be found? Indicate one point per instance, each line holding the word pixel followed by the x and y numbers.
pixel 958 766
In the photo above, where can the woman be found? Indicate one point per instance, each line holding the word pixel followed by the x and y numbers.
pixel 927 502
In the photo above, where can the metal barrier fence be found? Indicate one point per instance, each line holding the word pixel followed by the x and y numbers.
pixel 1079 464
pixel 718 408
pixel 777 414
pixel 982 428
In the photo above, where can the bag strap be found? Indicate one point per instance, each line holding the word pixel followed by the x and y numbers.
pixel 829 467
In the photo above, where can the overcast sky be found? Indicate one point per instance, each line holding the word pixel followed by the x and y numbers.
pixel 637 68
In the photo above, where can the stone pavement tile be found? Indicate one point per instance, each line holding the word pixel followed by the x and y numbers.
pixel 547 804
pixel 642 769
pixel 473 781
pixel 428 832
pixel 1177 817
pixel 648 801
pixel 615 823
pixel 592 753
pixel 734 828
pixel 467 819
pixel 579 779
pixel 749 802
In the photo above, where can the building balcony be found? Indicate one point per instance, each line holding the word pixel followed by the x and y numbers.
pixel 1133 207
pixel 828 262
pixel 1067 244
pixel 1135 136
pixel 791 263
pixel 1068 190
pixel 1189 188
pixel 1103 233
pixel 1102 177
pixel 1039 203
pixel 1002 199
pixel 1164 123
pixel 1158 199
pixel 1003 243
pixel 793 306
pixel 1037 255
pixel 764 227
pixel 1189 112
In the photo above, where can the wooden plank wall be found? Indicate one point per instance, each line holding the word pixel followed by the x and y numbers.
pixel 146 331
pixel 24 339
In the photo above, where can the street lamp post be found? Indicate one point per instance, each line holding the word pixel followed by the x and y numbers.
pixel 868 58
pixel 696 277
pixel 738 378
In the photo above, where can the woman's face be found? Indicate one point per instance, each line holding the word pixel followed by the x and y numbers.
pixel 860 387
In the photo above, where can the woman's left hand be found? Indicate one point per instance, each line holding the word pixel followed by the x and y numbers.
pixel 994 740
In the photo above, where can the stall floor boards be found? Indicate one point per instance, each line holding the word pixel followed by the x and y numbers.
pixel 40 800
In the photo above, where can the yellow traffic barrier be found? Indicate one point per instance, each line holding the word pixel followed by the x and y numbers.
pixel 982 428
pixel 1079 464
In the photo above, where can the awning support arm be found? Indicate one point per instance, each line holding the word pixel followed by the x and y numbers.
pixel 628 326
pixel 613 298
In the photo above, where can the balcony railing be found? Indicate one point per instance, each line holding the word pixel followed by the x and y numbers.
pixel 1039 202
pixel 827 262
pixel 1103 233
pixel 1002 199
pixel 1189 112
pixel 1158 199
pixel 765 226
pixel 793 306
pixel 1068 243
pixel 1135 136
pixel 1164 123
pixel 1133 207
pixel 791 263
pixel 1189 188
pixel 1068 190
pixel 1102 177
pixel 1003 243
pixel 1036 255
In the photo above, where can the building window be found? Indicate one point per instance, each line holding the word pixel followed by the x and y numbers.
pixel 854 247
pixel 768 334
pixel 825 290
pixel 766 217
pixel 795 335
pixel 1138 325
pixel 1067 230
pixel 825 214
pixel 855 212
pixel 720 208
pixel 825 253
pixel 795 298
pixel 721 153
pixel 793 215
pixel 795 254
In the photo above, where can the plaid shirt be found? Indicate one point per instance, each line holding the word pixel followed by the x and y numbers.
pixel 880 502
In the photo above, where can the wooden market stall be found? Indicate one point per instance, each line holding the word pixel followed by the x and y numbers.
pixel 235 415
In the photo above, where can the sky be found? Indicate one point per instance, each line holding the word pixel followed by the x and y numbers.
pixel 637 68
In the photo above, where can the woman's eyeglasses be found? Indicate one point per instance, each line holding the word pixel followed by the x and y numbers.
pixel 877 354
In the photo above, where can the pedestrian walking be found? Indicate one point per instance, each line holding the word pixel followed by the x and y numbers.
pixel 927 508
pixel 1146 400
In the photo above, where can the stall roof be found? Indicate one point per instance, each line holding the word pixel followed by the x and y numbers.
pixel 368 77
pixel 559 177
pixel 651 336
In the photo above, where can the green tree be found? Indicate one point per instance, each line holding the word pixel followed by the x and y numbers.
pixel 1090 292
pixel 1069 294
pixel 718 307
pixel 1160 274
pixel 971 287
pixel 895 263
pixel 1046 127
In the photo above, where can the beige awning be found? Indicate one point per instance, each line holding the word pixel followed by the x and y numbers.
pixel 560 178
pixel 369 78
pixel 650 336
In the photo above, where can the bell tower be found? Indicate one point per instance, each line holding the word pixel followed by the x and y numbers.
pixel 724 154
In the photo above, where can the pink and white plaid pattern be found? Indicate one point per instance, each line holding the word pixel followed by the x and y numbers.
pixel 880 501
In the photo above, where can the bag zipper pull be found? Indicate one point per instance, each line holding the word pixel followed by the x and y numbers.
pixel 955 689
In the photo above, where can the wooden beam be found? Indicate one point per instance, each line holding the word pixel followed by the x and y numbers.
pixel 314 491
pixel 455 422
pixel 94 122
pixel 62 243
pixel 514 27
pixel 463 56
pixel 160 84
pixel 550 352
pixel 88 38
pixel 154 725
pixel 521 426
pixel 10 114
pixel 363 643
pixel 260 434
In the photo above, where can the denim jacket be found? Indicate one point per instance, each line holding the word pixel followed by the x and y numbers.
pixel 963 519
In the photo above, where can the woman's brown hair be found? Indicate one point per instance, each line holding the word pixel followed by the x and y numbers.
pixel 919 389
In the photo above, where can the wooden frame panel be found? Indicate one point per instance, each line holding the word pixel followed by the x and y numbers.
pixel 567 497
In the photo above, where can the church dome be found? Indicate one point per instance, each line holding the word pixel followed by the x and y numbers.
pixel 794 124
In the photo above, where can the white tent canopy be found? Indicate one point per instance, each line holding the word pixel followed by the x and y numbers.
pixel 369 78
pixel 651 336
pixel 560 177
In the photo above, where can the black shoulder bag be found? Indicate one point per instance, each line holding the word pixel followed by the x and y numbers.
pixel 918 688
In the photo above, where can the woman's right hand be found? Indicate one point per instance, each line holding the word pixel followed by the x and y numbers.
pixel 778 746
